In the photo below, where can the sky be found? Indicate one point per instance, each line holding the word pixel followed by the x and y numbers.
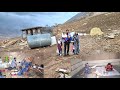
pixel 15 21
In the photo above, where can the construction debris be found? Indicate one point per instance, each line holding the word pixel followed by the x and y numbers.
pixel 111 36
pixel 63 73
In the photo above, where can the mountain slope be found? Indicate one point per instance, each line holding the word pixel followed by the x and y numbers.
pixel 83 15
pixel 105 21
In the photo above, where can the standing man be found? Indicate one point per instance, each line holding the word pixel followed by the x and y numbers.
pixel 67 43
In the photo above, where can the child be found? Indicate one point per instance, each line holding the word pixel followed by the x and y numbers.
pixel 109 67
pixel 86 71
pixel 60 47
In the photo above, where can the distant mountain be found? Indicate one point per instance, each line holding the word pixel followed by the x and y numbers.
pixel 9 33
pixel 78 16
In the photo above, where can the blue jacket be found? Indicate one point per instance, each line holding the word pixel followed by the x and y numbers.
pixel 68 39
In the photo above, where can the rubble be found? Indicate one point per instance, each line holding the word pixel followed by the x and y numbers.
pixel 63 73
pixel 110 36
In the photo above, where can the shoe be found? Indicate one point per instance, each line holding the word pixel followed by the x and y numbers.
pixel 68 54
pixel 64 54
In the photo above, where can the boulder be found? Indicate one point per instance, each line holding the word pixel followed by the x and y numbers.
pixel 95 31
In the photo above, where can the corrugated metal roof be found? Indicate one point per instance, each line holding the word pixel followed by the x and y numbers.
pixel 31 28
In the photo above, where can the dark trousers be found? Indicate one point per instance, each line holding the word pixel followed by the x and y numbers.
pixel 66 46
pixel 60 51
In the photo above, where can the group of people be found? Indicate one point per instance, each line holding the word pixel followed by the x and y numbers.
pixel 66 40
pixel 24 66
pixel 87 69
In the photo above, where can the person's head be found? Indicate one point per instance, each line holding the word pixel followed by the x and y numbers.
pixel 42 65
pixel 63 32
pixel 67 31
pixel 15 58
pixel 86 64
pixel 76 33
pixel 109 63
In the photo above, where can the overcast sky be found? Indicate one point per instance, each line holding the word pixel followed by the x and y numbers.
pixel 29 19
pixel 15 21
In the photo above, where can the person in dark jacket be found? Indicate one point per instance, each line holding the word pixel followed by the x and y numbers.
pixel 87 70
pixel 67 43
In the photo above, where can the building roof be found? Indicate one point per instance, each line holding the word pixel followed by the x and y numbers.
pixel 31 28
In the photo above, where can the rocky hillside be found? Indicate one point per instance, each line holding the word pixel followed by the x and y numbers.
pixel 82 15
pixel 107 21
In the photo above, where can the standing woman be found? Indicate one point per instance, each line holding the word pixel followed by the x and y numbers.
pixel 13 63
pixel 76 43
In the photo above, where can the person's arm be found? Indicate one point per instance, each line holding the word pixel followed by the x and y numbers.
pixel 61 43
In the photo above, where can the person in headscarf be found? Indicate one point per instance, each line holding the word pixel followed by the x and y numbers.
pixel 76 43
pixel 13 63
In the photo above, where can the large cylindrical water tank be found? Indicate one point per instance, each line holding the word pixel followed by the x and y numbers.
pixel 39 40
